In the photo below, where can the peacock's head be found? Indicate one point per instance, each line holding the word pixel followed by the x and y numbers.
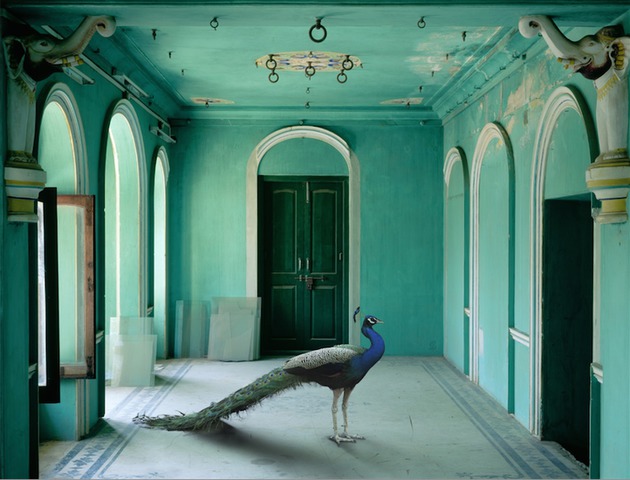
pixel 370 321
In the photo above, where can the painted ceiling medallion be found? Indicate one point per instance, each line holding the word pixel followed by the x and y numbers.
pixel 299 61
pixel 403 101
pixel 211 101
pixel 310 63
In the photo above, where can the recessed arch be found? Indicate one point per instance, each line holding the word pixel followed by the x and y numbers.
pixel 492 134
pixel 561 101
pixel 126 173
pixel 62 154
pixel 456 263
pixel 352 163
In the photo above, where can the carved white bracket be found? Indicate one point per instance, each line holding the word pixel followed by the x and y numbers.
pixel 602 58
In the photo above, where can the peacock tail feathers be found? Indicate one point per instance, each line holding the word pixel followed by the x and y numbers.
pixel 244 398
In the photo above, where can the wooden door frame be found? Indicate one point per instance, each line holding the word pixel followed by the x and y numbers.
pixel 354 217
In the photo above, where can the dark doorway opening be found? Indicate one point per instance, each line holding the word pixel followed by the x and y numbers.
pixel 567 324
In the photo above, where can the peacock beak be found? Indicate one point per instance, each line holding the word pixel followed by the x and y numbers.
pixel 377 320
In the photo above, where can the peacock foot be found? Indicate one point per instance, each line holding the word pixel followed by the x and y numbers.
pixel 345 437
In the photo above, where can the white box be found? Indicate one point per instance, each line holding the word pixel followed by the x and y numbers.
pixel 130 351
pixel 191 329
pixel 234 329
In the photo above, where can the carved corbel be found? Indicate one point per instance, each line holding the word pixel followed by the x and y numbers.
pixel 601 58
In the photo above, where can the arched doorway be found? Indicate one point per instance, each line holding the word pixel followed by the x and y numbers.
pixel 61 151
pixel 252 198
pixel 456 232
pixel 125 222
pixel 562 276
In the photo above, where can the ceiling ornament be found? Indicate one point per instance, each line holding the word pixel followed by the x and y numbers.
pixel 309 62
pixel 211 101
pixel 403 101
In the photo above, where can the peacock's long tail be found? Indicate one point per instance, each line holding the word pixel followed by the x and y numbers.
pixel 244 398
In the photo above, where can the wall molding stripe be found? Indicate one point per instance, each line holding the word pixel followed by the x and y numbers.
pixel 519 337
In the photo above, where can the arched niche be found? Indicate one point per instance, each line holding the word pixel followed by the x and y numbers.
pixel 125 214
pixel 456 231
pixel 492 263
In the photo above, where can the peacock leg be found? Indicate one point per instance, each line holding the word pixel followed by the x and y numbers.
pixel 344 407
pixel 335 437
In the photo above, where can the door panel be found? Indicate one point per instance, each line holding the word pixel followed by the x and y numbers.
pixel 303 264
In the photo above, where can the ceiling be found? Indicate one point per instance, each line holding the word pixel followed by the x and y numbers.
pixel 419 61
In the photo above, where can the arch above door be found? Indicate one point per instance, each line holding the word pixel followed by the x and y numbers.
pixel 251 196
pixel 562 101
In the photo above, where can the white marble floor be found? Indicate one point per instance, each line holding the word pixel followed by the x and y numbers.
pixel 420 417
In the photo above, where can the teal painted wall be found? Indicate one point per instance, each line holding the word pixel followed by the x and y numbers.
pixel 401 218
pixel 494 273
pixel 401 189
pixel 57 421
pixel 517 102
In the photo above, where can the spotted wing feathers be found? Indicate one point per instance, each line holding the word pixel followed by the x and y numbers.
pixel 316 359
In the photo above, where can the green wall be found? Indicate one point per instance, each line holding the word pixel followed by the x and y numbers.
pixel 56 421
pixel 401 217
pixel 14 342
pixel 516 102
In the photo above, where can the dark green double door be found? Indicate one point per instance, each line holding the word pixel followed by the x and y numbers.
pixel 303 251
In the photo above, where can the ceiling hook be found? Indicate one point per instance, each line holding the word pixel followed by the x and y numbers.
pixel 422 23
pixel 214 23
pixel 154 33
pixel 318 26
pixel 310 70
pixel 307 105
pixel 271 62
pixel 347 64
pixel 464 36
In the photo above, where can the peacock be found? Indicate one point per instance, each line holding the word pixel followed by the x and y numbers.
pixel 339 368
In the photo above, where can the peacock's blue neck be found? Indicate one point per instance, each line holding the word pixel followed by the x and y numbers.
pixel 377 346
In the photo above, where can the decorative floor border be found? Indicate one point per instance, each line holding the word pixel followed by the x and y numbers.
pixel 92 456
pixel 528 456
